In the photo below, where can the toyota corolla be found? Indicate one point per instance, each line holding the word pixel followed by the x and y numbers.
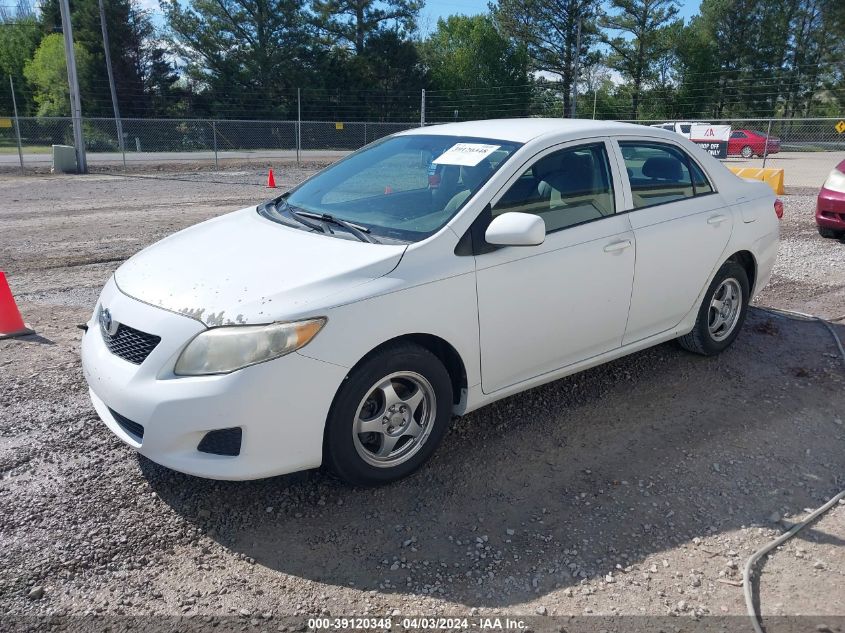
pixel 345 322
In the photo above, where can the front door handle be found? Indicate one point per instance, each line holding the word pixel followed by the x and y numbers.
pixel 717 219
pixel 615 247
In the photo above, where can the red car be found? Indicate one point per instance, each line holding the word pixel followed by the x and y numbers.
pixel 748 143
pixel 830 207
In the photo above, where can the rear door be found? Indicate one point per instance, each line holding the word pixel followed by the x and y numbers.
pixel 681 229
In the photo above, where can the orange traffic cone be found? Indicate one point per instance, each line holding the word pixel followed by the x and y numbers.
pixel 11 323
pixel 271 180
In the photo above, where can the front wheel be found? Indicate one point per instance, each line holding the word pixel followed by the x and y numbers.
pixel 747 152
pixel 722 312
pixel 830 233
pixel 388 416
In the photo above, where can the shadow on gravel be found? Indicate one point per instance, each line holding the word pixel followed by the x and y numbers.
pixel 32 338
pixel 583 477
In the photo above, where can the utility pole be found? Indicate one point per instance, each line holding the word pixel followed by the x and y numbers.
pixel 298 123
pixel 575 69
pixel 17 121
pixel 106 48
pixel 422 109
pixel 73 85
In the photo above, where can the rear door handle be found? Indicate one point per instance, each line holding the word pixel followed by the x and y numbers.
pixel 717 219
pixel 615 247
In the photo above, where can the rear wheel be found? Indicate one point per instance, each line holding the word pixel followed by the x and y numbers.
pixel 389 416
pixel 722 312
pixel 747 152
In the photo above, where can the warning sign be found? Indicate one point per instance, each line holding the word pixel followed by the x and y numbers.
pixel 840 127
pixel 5 122
pixel 712 138
pixel 338 126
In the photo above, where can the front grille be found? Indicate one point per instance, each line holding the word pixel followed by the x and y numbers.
pixel 130 344
pixel 135 430
pixel 222 442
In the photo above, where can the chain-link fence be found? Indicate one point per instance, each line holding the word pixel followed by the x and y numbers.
pixel 152 143
pixel 114 145
pixel 787 135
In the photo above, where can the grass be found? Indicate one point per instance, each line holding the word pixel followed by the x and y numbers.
pixel 27 149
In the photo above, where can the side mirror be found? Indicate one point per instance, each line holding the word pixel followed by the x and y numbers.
pixel 516 229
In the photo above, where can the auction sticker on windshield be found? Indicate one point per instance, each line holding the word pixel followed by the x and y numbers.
pixel 466 154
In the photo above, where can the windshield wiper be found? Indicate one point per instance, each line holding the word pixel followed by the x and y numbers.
pixel 297 215
pixel 356 229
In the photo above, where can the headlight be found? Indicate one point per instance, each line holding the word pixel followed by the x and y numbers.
pixel 224 349
pixel 836 181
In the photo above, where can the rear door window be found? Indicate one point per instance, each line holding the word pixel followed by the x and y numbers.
pixel 658 173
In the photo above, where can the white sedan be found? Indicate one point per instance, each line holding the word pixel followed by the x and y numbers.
pixel 345 322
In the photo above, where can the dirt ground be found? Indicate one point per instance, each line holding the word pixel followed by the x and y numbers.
pixel 636 488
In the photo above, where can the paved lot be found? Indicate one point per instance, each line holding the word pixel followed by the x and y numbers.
pixel 636 488
pixel 801 169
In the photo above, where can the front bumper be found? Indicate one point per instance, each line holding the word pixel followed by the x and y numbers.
pixel 281 405
pixel 830 210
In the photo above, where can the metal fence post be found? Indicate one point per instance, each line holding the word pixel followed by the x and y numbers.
pixel 766 146
pixel 422 108
pixel 17 123
pixel 298 123
pixel 214 134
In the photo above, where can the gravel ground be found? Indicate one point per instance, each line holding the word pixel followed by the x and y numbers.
pixel 639 487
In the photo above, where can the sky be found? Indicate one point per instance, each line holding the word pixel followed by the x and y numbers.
pixel 435 9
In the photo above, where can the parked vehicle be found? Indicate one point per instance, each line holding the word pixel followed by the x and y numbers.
pixel 748 143
pixel 684 128
pixel 830 206
pixel 435 271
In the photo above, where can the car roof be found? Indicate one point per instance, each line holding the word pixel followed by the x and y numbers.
pixel 524 130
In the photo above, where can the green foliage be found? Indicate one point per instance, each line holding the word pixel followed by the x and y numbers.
pixel 352 22
pixel 129 30
pixel 362 59
pixel 20 34
pixel 637 40
pixel 471 57
pixel 244 52
pixel 549 30
pixel 47 72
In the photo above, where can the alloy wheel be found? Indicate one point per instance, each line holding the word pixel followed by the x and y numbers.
pixel 725 308
pixel 394 419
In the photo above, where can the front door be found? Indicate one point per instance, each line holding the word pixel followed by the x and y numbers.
pixel 541 308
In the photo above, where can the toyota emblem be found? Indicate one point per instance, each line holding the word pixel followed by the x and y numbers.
pixel 107 324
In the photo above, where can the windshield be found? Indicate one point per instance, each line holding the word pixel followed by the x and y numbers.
pixel 404 187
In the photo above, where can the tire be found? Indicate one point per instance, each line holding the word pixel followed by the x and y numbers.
pixel 746 151
pixel 416 384
pixel 831 233
pixel 715 330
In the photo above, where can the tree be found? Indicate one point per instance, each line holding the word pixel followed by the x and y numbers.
pixel 47 72
pixel 20 34
pixel 640 42
pixel 382 83
pixel 248 53
pixel 549 30
pixel 351 22
pixel 128 28
pixel 476 69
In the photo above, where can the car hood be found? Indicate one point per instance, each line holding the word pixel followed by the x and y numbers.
pixel 244 268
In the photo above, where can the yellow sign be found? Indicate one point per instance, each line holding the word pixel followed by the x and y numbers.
pixel 338 126
pixel 840 127
pixel 5 122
